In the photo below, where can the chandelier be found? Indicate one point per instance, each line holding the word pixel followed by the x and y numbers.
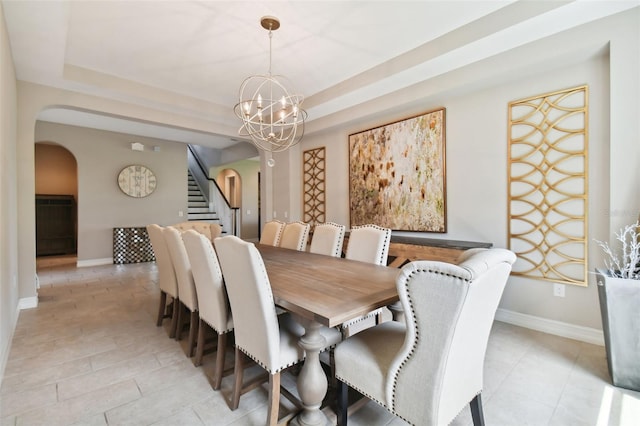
pixel 271 116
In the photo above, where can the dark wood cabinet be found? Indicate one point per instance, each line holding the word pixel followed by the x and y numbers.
pixel 55 225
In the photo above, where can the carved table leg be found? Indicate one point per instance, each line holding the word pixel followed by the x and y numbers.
pixel 312 382
pixel 397 311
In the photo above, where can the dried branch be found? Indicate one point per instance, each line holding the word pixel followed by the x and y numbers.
pixel 628 265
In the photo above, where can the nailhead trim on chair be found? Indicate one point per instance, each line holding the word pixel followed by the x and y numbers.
pixel 216 330
pixel 387 236
pixel 338 251
pixel 417 331
pixel 264 366
pixel 284 367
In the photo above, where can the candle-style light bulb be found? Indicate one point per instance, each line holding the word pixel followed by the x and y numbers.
pixel 259 100
pixel 284 102
pixel 295 111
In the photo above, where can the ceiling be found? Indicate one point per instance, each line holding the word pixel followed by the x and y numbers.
pixel 190 57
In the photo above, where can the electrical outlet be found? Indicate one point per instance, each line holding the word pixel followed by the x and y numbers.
pixel 180 213
pixel 286 215
pixel 558 290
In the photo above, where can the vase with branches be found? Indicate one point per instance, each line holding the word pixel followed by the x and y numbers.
pixel 619 296
pixel 625 264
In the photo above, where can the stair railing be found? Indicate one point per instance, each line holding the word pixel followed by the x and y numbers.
pixel 229 216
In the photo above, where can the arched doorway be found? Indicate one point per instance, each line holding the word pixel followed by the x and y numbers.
pixel 230 182
pixel 56 188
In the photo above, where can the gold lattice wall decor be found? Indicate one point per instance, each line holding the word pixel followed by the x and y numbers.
pixel 548 142
pixel 313 168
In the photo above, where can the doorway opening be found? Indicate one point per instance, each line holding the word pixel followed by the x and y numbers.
pixel 56 187
pixel 230 182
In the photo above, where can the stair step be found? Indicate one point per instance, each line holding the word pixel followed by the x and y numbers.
pixel 203 216
pixel 200 209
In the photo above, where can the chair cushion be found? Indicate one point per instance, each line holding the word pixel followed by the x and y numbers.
pixel 372 351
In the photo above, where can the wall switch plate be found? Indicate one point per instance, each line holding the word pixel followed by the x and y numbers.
pixel 285 215
pixel 180 213
pixel 558 290
pixel 248 211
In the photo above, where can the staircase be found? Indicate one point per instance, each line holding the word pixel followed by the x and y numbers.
pixel 198 208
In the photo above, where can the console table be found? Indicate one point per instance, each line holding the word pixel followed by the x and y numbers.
pixel 132 245
pixel 406 249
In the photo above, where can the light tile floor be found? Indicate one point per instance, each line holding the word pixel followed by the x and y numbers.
pixel 90 354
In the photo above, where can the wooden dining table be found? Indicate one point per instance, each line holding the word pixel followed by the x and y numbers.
pixel 324 291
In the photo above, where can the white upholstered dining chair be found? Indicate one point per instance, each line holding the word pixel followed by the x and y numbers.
pixel 327 239
pixel 209 230
pixel 295 235
pixel 427 369
pixel 271 233
pixel 166 278
pixel 186 286
pixel 213 304
pixel 270 340
pixel 367 243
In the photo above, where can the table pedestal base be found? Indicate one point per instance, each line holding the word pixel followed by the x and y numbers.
pixel 312 382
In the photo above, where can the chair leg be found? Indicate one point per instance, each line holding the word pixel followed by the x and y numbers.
pixel 238 371
pixel 175 308
pixel 200 344
pixel 162 308
pixel 342 393
pixel 180 321
pixel 476 411
pixel 274 399
pixel 193 328
pixel 332 365
pixel 220 358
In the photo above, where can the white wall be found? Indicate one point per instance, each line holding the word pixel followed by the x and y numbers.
pixel 101 155
pixel 604 55
pixel 8 202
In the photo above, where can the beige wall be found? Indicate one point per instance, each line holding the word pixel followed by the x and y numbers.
pixel 101 204
pixel 8 203
pixel 604 55
pixel 56 170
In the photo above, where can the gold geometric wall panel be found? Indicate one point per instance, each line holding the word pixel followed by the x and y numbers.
pixel 313 168
pixel 547 176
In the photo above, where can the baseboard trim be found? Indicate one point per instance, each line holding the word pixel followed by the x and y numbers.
pixel 4 357
pixel 28 303
pixel 94 262
pixel 558 328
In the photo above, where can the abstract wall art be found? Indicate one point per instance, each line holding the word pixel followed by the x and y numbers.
pixel 397 174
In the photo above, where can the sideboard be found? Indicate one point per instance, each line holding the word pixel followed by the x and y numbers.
pixel 406 249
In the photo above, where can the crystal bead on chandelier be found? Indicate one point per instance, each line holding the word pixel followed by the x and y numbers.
pixel 271 116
